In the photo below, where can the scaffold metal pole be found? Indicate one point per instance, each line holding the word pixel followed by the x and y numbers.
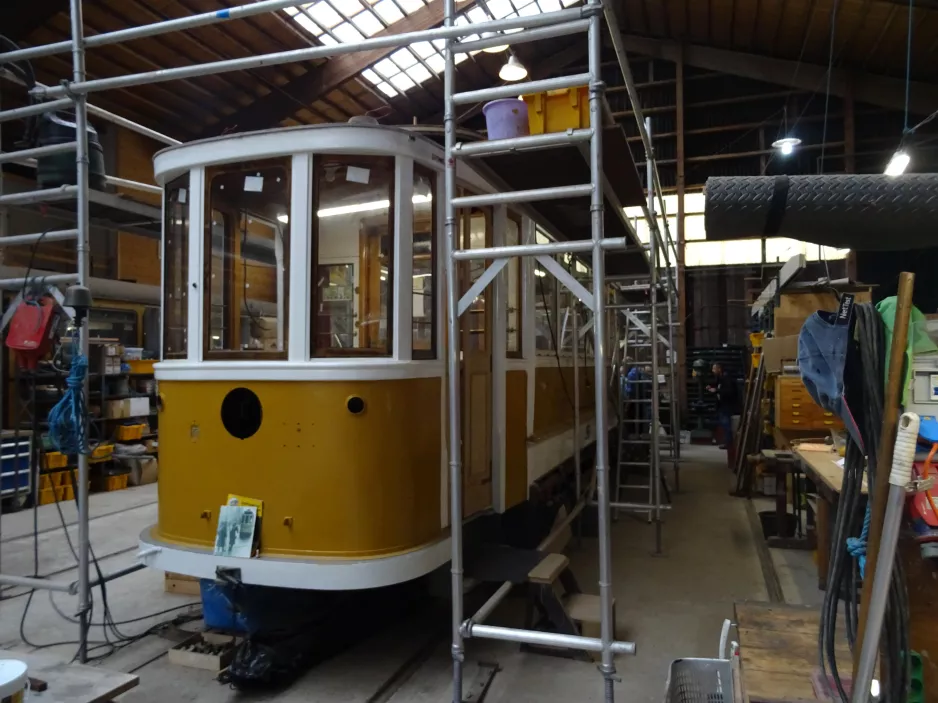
pixel 453 354
pixel 654 451
pixel 596 97
pixel 82 254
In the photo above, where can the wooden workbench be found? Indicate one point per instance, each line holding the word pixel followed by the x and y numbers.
pixel 778 651
pixel 821 467
pixel 73 683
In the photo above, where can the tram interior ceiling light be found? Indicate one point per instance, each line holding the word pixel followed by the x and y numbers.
pixel 513 70
pixel 786 145
pixel 898 163
pixel 360 207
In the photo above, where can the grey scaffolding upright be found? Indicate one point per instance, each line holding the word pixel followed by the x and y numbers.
pixel 586 18
pixel 589 20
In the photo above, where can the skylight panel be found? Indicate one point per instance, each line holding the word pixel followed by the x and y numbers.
pixel 368 23
pixel 347 34
pixel 346 21
pixel 411 6
pixel 325 16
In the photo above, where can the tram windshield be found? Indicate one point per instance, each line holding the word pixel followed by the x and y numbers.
pixel 353 255
pixel 247 232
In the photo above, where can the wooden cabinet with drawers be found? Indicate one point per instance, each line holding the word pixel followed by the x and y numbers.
pixel 796 410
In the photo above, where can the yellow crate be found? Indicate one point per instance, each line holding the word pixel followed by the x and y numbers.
pixel 127 433
pixel 103 484
pixel 102 451
pixel 46 496
pixel 54 460
pixel 54 480
pixel 558 110
pixel 141 366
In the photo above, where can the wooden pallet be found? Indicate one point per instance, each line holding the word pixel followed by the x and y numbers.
pixel 181 584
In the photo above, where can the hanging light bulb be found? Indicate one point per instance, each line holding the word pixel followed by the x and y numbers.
pixel 786 145
pixel 494 49
pixel 898 163
pixel 513 70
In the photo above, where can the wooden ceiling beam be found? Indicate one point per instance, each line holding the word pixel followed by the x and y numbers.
pixel 331 75
pixel 869 88
pixel 20 19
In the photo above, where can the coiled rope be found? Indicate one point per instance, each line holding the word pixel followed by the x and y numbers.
pixel 67 420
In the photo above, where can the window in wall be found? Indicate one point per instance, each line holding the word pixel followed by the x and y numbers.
pixel 247 232
pixel 424 292
pixel 513 238
pixel 545 304
pixel 176 268
pixel 353 255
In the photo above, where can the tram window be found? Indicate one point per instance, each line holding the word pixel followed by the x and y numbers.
pixel 353 255
pixel 424 292
pixel 545 303
pixel 513 238
pixel 176 269
pixel 581 272
pixel 474 233
pixel 247 231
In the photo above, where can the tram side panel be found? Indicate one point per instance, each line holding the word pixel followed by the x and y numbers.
pixel 333 482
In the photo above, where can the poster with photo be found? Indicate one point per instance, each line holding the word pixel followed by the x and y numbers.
pixel 235 534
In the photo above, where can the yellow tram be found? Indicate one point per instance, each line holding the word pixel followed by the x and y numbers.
pixel 303 361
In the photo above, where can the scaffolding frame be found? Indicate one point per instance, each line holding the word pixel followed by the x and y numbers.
pixel 589 17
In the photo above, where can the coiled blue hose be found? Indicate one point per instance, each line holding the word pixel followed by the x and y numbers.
pixel 67 420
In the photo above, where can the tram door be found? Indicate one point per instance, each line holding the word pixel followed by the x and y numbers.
pixel 475 231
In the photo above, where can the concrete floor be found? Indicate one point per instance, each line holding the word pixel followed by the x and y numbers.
pixel 671 605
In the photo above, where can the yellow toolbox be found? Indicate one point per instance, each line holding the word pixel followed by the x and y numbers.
pixel 558 110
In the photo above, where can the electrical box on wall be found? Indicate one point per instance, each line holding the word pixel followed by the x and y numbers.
pixel 922 397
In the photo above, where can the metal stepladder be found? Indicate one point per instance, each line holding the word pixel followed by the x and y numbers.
pixel 647 383
pixel 647 419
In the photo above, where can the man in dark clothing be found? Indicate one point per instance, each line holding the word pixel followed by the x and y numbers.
pixel 727 399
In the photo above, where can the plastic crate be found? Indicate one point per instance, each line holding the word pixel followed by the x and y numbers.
pixel 558 110
pixel 54 460
pixel 102 451
pixel 129 433
pixel 104 484
pixel 141 366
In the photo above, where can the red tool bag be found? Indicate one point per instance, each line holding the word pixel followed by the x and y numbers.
pixel 32 330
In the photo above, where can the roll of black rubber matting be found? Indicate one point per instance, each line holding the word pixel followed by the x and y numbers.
pixel 865 212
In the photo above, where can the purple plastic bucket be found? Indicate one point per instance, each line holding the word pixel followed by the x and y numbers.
pixel 507 118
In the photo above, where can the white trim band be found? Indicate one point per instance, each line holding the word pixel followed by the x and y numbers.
pixel 310 574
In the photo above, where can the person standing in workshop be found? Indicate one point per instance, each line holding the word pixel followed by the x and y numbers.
pixel 727 398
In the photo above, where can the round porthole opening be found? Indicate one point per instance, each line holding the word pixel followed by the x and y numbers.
pixel 241 413
pixel 355 405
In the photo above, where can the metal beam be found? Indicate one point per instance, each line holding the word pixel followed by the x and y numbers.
pixel 868 88
pixel 270 110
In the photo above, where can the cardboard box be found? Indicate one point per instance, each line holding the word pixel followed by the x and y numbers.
pixel 778 351
pixel 143 470
pixel 794 307
pixel 128 407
